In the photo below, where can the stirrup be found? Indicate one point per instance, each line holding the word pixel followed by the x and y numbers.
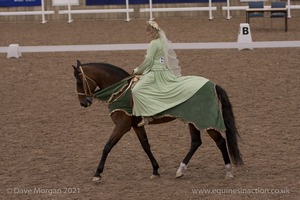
pixel 145 121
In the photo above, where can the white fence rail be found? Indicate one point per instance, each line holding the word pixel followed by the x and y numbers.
pixel 210 8
pixel 42 12
pixel 15 51
pixel 127 10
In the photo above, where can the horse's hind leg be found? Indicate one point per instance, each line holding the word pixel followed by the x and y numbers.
pixel 221 143
pixel 195 144
pixel 141 134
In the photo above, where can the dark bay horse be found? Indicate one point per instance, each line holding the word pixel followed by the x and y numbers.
pixel 92 76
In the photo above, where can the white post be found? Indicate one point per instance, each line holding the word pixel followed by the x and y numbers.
pixel 228 10
pixel 289 9
pixel 69 9
pixel 127 11
pixel 150 7
pixel 210 10
pixel 43 12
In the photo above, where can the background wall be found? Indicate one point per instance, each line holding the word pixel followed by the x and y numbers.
pixel 219 13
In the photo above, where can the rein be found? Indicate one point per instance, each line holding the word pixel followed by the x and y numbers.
pixel 86 86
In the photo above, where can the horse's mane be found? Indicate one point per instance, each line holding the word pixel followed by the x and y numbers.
pixel 112 69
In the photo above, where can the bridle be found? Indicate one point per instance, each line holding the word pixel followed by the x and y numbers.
pixel 86 87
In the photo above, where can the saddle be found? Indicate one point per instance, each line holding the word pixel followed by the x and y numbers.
pixel 119 96
pixel 130 84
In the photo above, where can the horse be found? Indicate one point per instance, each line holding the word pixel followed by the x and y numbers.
pixel 93 77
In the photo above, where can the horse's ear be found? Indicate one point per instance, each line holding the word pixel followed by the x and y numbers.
pixel 78 63
pixel 75 69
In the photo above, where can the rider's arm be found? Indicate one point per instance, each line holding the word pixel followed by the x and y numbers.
pixel 149 58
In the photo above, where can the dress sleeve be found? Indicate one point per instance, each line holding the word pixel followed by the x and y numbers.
pixel 149 59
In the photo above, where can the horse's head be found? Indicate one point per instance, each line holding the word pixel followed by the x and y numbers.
pixel 85 85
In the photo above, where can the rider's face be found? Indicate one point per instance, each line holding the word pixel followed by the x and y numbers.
pixel 148 31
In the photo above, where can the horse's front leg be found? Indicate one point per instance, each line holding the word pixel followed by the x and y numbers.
pixel 122 126
pixel 141 134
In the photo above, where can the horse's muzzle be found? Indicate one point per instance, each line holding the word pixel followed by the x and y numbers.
pixel 88 101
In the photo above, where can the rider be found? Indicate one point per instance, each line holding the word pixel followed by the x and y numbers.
pixel 161 85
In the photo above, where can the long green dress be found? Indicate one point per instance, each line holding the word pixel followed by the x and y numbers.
pixel 159 89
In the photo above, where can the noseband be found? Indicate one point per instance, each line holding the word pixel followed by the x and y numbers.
pixel 86 86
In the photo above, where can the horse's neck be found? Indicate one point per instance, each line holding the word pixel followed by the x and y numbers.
pixel 105 79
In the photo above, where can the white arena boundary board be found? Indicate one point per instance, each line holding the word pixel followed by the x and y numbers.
pixel 143 46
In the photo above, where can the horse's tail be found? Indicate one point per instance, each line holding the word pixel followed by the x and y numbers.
pixel 231 130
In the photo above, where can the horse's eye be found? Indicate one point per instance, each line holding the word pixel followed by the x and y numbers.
pixel 79 83
pixel 78 80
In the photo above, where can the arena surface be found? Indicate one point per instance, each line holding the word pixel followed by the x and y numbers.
pixel 50 146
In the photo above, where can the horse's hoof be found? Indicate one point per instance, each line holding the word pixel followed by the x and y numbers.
pixel 181 170
pixel 229 176
pixel 96 179
pixel 154 176
pixel 179 175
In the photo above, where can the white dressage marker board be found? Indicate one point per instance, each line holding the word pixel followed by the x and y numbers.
pixel 244 37
pixel 13 51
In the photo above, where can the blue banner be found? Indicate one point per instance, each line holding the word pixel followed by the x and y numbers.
pixel 123 2
pixel 13 3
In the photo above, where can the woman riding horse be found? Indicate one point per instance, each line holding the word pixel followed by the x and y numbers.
pixel 163 93
pixel 161 85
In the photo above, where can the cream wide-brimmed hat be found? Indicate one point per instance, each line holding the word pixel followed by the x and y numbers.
pixel 153 24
